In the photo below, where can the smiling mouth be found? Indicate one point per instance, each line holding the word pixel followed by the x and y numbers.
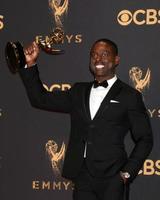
pixel 99 66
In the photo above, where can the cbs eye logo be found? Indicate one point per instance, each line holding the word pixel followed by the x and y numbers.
pixel 124 17
pixel 139 17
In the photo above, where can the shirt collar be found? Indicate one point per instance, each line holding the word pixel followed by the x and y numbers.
pixel 111 81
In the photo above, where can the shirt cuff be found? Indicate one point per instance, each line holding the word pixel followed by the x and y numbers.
pixel 30 66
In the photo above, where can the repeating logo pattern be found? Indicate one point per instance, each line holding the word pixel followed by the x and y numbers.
pixel 139 17
pixel 55 156
pixel 1 22
pixel 58 8
pixel 140 82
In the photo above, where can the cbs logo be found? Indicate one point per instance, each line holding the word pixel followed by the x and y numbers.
pixel 1 22
pixel 150 167
pixel 53 87
pixel 139 17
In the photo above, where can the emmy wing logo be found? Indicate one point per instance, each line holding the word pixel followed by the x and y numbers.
pixel 135 74
pixel 58 8
pixel 55 157
pixel 0 112
pixel 1 22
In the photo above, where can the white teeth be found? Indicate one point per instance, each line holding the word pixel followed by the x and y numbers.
pixel 99 66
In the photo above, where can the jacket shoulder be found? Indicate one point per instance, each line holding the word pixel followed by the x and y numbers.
pixel 129 89
pixel 81 85
pixel 133 97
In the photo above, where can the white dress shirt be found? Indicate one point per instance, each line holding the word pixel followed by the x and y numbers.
pixel 96 97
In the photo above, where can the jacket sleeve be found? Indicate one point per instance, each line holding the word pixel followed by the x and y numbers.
pixel 59 101
pixel 141 133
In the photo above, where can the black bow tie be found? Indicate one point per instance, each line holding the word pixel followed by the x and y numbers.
pixel 97 84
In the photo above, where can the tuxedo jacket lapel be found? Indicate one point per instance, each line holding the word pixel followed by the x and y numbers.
pixel 113 92
pixel 86 100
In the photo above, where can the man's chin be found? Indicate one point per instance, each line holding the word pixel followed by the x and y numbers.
pixel 100 75
pixel 99 72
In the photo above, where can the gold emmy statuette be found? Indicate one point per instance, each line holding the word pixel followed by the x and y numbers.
pixel 14 50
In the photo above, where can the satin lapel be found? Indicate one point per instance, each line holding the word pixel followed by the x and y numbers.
pixel 113 92
pixel 86 95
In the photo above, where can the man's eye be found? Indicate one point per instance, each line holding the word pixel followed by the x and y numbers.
pixel 103 55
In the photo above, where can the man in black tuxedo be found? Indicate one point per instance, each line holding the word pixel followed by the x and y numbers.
pixel 102 112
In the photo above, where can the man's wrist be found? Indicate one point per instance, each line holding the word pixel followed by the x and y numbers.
pixel 125 174
pixel 29 65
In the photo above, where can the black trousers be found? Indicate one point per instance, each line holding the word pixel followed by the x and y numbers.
pixel 87 187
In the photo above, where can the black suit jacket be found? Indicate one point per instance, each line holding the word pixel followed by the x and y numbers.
pixel 104 134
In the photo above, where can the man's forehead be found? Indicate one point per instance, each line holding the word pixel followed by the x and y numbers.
pixel 101 45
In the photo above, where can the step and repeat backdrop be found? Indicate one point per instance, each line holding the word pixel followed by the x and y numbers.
pixel 32 141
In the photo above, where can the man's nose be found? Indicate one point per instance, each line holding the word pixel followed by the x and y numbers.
pixel 98 58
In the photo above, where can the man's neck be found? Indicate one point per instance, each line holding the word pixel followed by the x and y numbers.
pixel 101 79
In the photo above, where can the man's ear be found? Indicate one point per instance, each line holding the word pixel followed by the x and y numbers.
pixel 117 60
